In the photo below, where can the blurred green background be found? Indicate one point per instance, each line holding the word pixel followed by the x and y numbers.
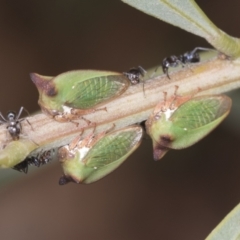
pixel 184 196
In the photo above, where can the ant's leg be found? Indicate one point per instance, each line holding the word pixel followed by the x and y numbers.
pixel 3 118
pixel 29 124
pixel 167 74
pixel 143 72
pixel 202 49
pixel 19 114
pixel 26 111
pixel 7 133
pixel 154 71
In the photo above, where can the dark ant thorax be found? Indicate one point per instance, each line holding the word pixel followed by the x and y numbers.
pixel 183 59
pixel 167 62
pixel 189 57
pixel 14 126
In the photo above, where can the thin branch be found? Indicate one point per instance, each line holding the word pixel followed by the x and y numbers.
pixel 212 77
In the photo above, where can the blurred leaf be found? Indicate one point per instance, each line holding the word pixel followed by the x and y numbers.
pixel 187 15
pixel 228 228
pixel 184 14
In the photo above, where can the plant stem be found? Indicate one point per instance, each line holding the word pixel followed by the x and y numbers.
pixel 212 77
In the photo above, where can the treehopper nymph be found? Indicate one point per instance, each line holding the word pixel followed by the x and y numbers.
pixel 73 94
pixel 180 122
pixel 86 160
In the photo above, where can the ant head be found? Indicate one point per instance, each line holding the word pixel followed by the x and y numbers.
pixel 134 74
pixel 11 115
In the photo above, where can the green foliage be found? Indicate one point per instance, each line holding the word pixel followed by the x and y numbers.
pixel 187 15
pixel 228 228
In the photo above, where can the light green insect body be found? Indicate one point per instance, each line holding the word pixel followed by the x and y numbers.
pixel 93 157
pixel 186 121
pixel 76 93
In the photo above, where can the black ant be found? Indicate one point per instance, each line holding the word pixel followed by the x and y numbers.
pixel 135 74
pixel 38 161
pixel 23 166
pixel 188 57
pixel 13 122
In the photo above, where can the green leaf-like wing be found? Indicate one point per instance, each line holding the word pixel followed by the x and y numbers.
pixel 97 90
pixel 85 89
pixel 196 118
pixel 112 150
pixel 114 146
pixel 201 111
